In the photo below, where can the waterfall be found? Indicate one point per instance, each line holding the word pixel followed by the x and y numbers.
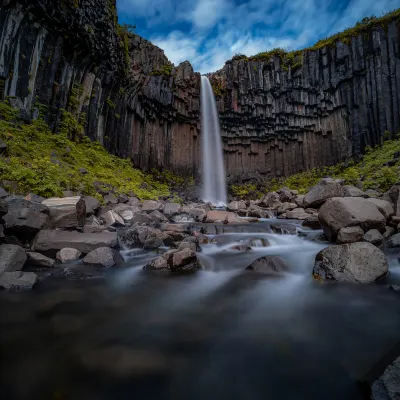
pixel 214 186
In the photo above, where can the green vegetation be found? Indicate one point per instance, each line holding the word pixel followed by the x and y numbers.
pixel 293 59
pixel 110 103
pixel 165 70
pixel 379 169
pixel 217 88
pixel 45 163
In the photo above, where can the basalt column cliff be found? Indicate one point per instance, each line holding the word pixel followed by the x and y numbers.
pixel 278 119
pixel 71 57
pixel 72 61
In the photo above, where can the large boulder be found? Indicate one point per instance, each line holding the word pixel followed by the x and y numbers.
pixel 393 196
pixel 103 257
pixel 387 387
pixel 342 212
pixel 171 209
pixel 16 203
pixel 112 219
pixel 50 241
pixel 384 206
pixel 158 217
pixel 68 255
pixel 179 261
pixel 285 195
pixel 325 189
pixel 18 280
pixel 142 218
pixel 297 213
pixel 25 222
pixel 374 236
pixel 39 260
pixel 66 212
pixel 355 262
pixel 270 200
pixel 268 265
pixel 352 191
pixel 12 258
pixel 141 236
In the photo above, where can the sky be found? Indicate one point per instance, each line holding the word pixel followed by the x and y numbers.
pixel 209 32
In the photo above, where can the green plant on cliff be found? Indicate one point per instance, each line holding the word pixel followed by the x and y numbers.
pixel 165 70
pixel 217 88
pixel 45 163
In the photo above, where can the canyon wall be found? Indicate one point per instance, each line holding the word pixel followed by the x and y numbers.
pixel 71 56
pixel 277 121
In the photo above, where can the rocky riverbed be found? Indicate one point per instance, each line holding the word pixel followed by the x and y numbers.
pixel 140 294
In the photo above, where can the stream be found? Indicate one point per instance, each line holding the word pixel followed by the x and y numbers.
pixel 223 333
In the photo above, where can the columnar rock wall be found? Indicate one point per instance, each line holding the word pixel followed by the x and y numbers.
pixel 69 54
pixel 277 121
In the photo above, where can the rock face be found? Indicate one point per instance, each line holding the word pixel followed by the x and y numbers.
pixel 355 262
pixel 324 190
pixel 338 213
pixel 276 120
pixel 268 265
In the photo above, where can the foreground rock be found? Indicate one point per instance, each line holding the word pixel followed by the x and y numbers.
pixel 52 240
pixel 141 236
pixel 66 212
pixel 324 190
pixel 25 222
pixel 103 257
pixel 68 255
pixel 351 234
pixel 338 213
pixel 39 260
pixel 268 265
pixel 179 261
pixel 387 387
pixel 223 216
pixel 18 280
pixel 12 258
pixel 356 263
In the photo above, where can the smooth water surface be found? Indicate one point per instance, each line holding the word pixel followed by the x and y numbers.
pixel 223 333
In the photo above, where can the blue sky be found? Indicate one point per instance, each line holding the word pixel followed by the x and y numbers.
pixel 209 32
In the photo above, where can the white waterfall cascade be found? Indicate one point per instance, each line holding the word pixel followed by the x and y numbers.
pixel 214 185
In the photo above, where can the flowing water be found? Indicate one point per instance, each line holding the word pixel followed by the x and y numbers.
pixel 223 333
pixel 213 174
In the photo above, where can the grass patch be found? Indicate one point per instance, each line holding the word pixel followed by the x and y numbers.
pixel 373 172
pixel 46 163
pixel 165 70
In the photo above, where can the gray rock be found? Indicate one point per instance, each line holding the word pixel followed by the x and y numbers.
pixel 171 209
pixel 34 197
pixel 351 234
pixel 268 265
pixel 39 260
pixel 133 201
pixel 393 196
pixel 393 242
pixel 223 216
pixel 387 387
pixel 236 206
pixel 372 193
pixel 373 236
pixel 103 257
pixel 352 191
pixel 52 240
pixel 112 219
pixel 66 212
pixel 158 217
pixel 151 205
pixel 12 258
pixel 385 207
pixel 123 198
pixel 312 222
pixel 325 189
pixel 285 195
pixel 16 203
pixel 338 213
pixel 271 200
pixel 141 218
pixel 3 193
pixel 177 261
pixel 68 255
pixel 299 200
pixel 3 208
pixel 92 205
pixel 355 262
pixel 297 213
pixel 18 280
pixel 390 231
pixel 286 207
pixel 141 236
pixel 25 222
pixel 191 243
pixel 110 199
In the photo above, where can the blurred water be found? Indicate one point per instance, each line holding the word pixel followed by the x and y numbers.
pixel 223 333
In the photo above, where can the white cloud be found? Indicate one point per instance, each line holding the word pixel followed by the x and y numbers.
pixel 209 32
